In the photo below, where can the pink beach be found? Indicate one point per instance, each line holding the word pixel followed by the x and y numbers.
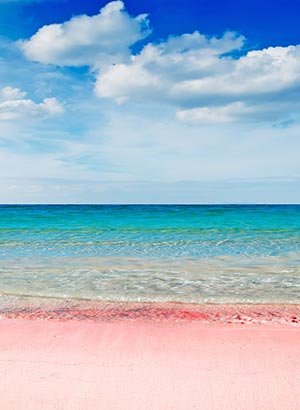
pixel 142 364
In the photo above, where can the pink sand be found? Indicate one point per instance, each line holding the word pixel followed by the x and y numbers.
pixel 142 365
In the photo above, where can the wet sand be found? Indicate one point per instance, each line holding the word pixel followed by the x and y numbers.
pixel 142 364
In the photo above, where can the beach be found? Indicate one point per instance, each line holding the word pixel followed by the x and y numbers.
pixel 121 363
pixel 149 307
pixel 149 205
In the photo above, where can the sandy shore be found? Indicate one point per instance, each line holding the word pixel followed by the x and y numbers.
pixel 118 365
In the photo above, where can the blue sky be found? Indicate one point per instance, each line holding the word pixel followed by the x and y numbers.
pixel 148 101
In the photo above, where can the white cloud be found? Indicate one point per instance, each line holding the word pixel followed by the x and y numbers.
pixel 192 73
pixel 139 160
pixel 159 67
pixel 206 79
pixel 214 115
pixel 240 111
pixel 95 41
pixel 157 148
pixel 258 72
pixel 13 105
pixel 10 93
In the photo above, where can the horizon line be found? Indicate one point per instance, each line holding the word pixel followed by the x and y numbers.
pixel 156 204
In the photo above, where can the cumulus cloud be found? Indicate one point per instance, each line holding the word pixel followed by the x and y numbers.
pixel 10 93
pixel 258 72
pixel 207 79
pixel 158 68
pixel 93 41
pixel 13 105
pixel 205 82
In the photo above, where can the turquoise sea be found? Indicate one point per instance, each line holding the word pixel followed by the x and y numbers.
pixel 184 253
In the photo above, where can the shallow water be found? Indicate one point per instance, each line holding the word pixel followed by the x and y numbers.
pixel 198 254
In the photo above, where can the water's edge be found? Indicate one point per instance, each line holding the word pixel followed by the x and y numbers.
pixel 242 314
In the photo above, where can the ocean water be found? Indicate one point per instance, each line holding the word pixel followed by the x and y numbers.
pixel 178 253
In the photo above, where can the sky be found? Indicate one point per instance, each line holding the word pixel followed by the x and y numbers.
pixel 149 101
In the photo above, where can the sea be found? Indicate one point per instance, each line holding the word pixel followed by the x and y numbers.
pixel 218 254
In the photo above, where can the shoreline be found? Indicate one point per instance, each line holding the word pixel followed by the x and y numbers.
pixel 148 365
pixel 261 314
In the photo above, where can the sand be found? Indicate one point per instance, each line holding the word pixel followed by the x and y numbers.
pixel 139 364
